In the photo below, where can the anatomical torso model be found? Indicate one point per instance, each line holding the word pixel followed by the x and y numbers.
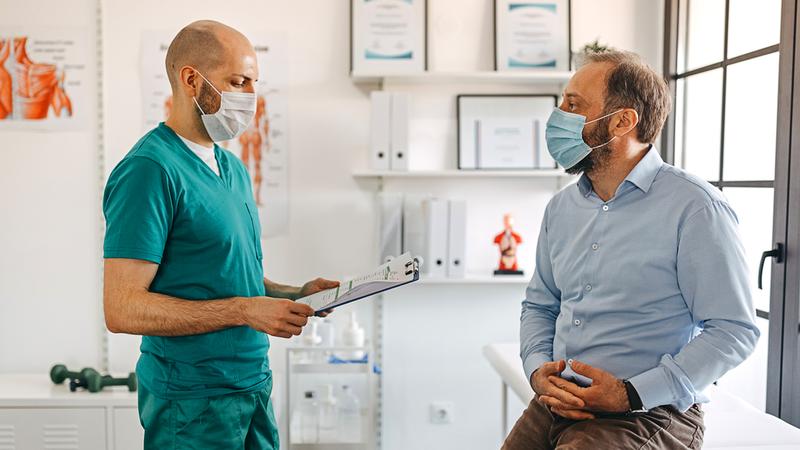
pixel 507 241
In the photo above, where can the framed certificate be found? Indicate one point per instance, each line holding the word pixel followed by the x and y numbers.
pixel 497 132
pixel 532 35
pixel 388 37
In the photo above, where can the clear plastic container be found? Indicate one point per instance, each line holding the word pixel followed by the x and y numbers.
pixel 328 415
pixel 349 416
pixel 309 419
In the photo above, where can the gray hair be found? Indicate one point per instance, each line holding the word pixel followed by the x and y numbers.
pixel 631 83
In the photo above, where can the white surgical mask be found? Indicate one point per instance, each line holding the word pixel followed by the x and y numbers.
pixel 236 111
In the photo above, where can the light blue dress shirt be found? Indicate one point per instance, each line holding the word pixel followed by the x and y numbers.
pixel 651 286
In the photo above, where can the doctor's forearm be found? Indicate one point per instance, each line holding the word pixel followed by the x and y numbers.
pixel 147 313
pixel 277 290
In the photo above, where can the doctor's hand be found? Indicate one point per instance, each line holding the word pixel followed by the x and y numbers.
pixel 276 316
pixel 316 285
pixel 606 394
pixel 551 395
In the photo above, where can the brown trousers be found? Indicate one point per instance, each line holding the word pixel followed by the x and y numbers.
pixel 661 428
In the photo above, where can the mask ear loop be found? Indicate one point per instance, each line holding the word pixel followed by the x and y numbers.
pixel 612 139
pixel 210 84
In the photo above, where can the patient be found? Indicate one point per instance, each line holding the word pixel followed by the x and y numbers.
pixel 640 298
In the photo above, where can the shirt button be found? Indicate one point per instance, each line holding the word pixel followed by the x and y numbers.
pixel 588 287
pixel 605 207
pixel 569 361
pixel 577 322
pixel 595 246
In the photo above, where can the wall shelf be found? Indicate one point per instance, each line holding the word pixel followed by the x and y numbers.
pixel 542 173
pixel 476 279
pixel 539 77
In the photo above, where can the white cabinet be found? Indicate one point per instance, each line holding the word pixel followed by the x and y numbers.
pixel 128 432
pixel 35 414
pixel 39 428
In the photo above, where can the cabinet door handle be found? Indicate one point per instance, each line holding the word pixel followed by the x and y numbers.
pixel 776 253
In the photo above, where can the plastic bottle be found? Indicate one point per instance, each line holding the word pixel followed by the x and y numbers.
pixel 328 415
pixel 327 332
pixel 309 419
pixel 353 336
pixel 349 416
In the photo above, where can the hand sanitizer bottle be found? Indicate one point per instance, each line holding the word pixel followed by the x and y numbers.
pixel 353 336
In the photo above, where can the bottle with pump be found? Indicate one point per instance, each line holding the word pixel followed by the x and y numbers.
pixel 353 336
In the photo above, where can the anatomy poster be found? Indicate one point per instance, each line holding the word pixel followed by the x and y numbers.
pixel 44 77
pixel 264 146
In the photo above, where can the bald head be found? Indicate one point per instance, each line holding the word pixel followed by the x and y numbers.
pixel 204 45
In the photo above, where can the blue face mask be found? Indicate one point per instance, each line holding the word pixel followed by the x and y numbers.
pixel 564 136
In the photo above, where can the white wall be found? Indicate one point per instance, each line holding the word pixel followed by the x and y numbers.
pixel 49 205
pixel 49 283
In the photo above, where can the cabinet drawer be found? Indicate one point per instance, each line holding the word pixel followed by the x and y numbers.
pixel 128 432
pixel 52 428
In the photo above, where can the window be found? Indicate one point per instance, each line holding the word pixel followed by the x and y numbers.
pixel 725 79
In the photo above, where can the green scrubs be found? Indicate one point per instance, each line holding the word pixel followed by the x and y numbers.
pixel 163 204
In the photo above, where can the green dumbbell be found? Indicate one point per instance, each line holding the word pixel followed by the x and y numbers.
pixel 129 381
pixel 59 373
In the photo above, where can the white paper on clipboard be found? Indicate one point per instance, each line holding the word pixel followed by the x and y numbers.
pixel 398 272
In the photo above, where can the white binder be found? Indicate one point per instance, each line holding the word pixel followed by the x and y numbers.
pixel 457 238
pixel 380 130
pixel 399 131
pixel 435 212
pixel 390 225
pixel 414 226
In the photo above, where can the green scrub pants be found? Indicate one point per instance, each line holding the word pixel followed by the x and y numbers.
pixel 230 422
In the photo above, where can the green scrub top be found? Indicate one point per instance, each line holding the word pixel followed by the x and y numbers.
pixel 163 204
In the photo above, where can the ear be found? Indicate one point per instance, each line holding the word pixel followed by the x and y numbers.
pixel 189 81
pixel 626 121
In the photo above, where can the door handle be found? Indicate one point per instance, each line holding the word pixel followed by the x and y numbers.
pixel 776 253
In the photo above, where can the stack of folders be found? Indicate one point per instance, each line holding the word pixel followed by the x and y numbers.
pixel 431 227
pixel 389 131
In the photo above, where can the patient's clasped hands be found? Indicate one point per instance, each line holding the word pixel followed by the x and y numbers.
pixel 607 393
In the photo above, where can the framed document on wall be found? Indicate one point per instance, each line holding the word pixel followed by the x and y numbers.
pixel 497 132
pixel 387 37
pixel 532 34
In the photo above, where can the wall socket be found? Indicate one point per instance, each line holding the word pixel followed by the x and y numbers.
pixel 442 413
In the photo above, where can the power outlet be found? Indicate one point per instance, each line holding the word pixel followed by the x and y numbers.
pixel 442 413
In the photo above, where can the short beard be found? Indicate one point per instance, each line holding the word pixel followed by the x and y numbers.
pixel 598 157
pixel 208 99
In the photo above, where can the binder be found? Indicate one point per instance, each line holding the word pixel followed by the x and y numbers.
pixel 400 271
pixel 390 237
pixel 435 212
pixel 380 130
pixel 399 131
pixel 414 226
pixel 457 238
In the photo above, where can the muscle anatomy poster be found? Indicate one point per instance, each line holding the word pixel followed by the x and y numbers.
pixel 263 148
pixel 44 80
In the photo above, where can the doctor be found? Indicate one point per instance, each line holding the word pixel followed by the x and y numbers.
pixel 640 298
pixel 183 260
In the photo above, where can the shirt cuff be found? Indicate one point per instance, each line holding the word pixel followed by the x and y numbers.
pixel 533 362
pixel 653 387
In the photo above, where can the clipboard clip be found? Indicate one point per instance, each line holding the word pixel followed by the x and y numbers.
pixel 413 266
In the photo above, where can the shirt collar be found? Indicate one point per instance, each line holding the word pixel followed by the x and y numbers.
pixel 641 176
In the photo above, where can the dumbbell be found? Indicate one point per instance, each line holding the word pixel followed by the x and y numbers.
pixel 90 379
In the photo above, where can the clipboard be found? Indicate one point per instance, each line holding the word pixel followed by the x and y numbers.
pixel 398 272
